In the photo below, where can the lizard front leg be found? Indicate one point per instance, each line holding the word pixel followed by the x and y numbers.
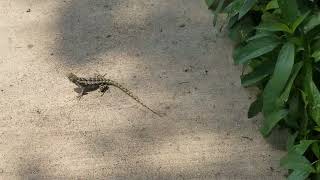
pixel 103 88
pixel 82 92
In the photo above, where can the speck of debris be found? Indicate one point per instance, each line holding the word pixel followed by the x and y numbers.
pixel 167 107
pixel 161 30
pixel 188 69
pixel 134 76
pixel 11 85
pixel 29 10
pixel 108 36
pixel 30 46
pixel 106 6
pixel 271 168
pixel 206 71
pixel 246 137
pixel 174 42
pixel 51 54
pixel 2 90
pixel 182 25
pixel 38 111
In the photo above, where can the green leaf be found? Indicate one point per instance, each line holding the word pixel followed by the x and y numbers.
pixel 313 95
pixel 217 11
pixel 247 5
pixel 299 175
pixel 297 162
pixel 315 149
pixel 262 34
pixel 253 78
pixel 293 118
pixel 255 107
pixel 279 79
pixel 312 22
pixel 316 55
pixel 285 95
pixel 274 26
pixel 291 140
pixel 314 108
pixel 258 74
pixel 298 21
pixel 234 7
pixel 273 4
pixel 210 3
pixel 289 9
pixel 272 120
pixel 317 165
pixel 317 128
pixel 254 49
pixel 303 146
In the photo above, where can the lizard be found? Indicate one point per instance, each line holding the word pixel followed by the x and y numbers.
pixel 101 83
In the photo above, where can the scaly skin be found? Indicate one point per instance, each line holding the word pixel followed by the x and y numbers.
pixel 101 83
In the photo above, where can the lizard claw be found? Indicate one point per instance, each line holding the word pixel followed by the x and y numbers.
pixel 79 97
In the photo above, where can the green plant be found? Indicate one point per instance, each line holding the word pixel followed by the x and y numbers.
pixel 279 40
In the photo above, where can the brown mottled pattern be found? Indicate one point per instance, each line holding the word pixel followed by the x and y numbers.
pixel 100 81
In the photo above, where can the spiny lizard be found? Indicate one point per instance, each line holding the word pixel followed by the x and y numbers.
pixel 101 83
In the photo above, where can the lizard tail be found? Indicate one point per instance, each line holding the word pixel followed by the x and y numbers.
pixel 129 93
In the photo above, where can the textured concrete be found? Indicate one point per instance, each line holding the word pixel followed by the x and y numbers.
pixel 164 51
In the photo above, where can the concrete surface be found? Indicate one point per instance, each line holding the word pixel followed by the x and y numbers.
pixel 165 52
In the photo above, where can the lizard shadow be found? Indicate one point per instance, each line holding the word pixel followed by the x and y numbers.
pixel 90 89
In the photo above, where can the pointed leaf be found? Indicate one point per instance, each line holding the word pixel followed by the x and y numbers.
pixel 273 4
pixel 234 7
pixel 312 22
pixel 315 149
pixel 210 3
pixel 289 9
pixel 291 140
pixel 298 175
pixel 247 5
pixel 295 161
pixel 261 35
pixel 259 73
pixel 298 21
pixel 303 146
pixel 217 11
pixel 279 79
pixel 253 49
pixel 285 95
pixel 295 111
pixel 272 120
pixel 316 55
pixel 274 26
pixel 312 95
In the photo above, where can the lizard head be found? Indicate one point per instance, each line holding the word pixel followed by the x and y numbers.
pixel 72 77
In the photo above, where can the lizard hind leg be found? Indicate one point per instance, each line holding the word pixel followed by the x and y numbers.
pixel 82 92
pixel 103 89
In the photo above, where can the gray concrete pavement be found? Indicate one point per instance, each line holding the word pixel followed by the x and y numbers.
pixel 165 52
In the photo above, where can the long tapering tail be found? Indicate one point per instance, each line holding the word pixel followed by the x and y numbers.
pixel 129 93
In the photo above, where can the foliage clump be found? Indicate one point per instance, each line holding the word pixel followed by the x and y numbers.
pixel 280 41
